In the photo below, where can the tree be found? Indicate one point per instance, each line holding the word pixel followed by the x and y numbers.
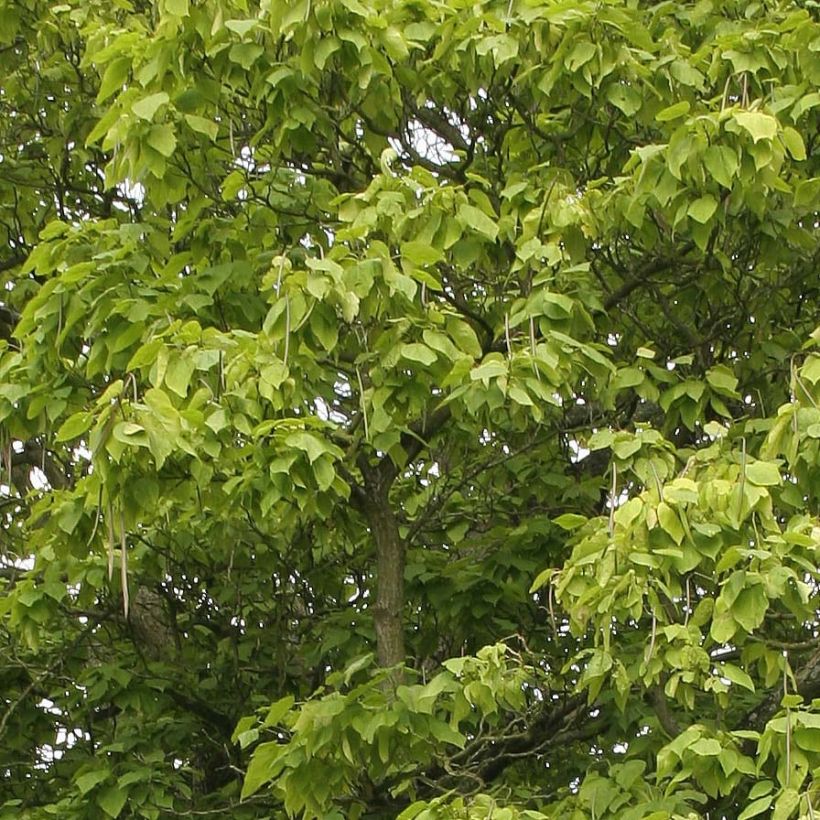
pixel 409 409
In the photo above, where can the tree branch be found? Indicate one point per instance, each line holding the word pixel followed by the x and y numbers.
pixel 807 678
pixel 641 277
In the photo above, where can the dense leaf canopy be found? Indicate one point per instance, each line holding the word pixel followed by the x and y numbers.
pixel 409 409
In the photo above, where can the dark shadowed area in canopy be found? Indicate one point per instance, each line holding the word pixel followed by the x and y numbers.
pixel 409 409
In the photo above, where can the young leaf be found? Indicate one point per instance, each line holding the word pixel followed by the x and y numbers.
pixel 146 107
pixel 763 474
pixel 761 126
pixel 475 219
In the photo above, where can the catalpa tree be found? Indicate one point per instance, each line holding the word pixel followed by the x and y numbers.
pixel 409 409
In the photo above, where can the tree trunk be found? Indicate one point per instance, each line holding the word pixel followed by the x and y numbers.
pixel 389 607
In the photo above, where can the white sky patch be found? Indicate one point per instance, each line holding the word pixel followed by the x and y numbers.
pixel 38 479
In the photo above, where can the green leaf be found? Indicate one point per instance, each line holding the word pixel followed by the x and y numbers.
pixel 112 800
pixel 421 253
pixel 806 192
pixel 625 98
pixel 794 143
pixel 581 55
pixel 74 426
pixel 414 810
pixel 489 369
pixel 723 627
pixel 601 439
pixel 750 607
pixel 324 473
pixel 628 512
pixel 703 209
pixel 442 344
pixel 86 782
pixel 722 163
pixel 706 747
pixel 670 522
pixel 274 374
pixel 444 733
pixel 761 126
pixel 464 337
pixel 148 106
pixel 541 579
pixel 178 375
pixel 756 807
pixel 763 474
pixel 116 73
pixel 625 448
pixel 786 804
pixel 179 8
pixel 570 521
pixel 202 125
pixel 680 149
pixel 416 352
pixel 245 54
pixel 131 434
pixel 673 112
pixel 737 675
pixel 556 306
pixel 146 354
pixel 811 370
pixel 628 377
pixel 308 443
pixel 520 396
pixel 764 786
pixel 261 767
pixel 722 379
pixel 475 219
pixel 808 739
pixel 161 138
pixel 242 27
pixel 278 710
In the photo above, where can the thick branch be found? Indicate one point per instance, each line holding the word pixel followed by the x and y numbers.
pixel 642 277
pixel 808 685
pixel 224 723
pixel 415 440
pixel 435 121
pixel 485 758
pixel 8 320
pixel 390 556
pixel 665 717
pixel 33 455
pixel 11 262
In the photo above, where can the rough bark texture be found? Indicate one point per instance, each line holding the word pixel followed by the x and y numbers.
pixel 387 613
pixel 373 500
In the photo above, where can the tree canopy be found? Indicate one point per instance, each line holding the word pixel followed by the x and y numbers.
pixel 409 409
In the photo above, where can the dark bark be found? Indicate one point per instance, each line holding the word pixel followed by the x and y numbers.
pixel 33 455
pixel 643 276
pixel 8 319
pixel 414 441
pixel 12 262
pixel 558 725
pixel 390 553
pixel 664 714
pixel 807 677
pixel 373 501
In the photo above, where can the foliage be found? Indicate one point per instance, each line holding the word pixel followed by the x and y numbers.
pixel 409 409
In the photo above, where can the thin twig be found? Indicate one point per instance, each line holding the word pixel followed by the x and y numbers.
pixel 362 405
pixel 110 542
pixel 124 564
